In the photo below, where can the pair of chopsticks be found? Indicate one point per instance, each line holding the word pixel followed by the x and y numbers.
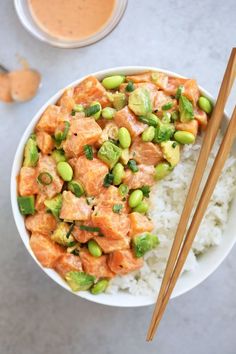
pixel 182 243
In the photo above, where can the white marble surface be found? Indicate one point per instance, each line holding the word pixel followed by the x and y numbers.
pixel 193 38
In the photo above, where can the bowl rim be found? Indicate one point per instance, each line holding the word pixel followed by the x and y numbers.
pixel 126 300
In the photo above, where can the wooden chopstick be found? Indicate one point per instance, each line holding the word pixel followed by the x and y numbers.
pixel 218 165
pixel 209 139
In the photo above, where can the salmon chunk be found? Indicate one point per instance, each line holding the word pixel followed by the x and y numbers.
pixel 145 153
pixel 191 91
pixel 96 266
pixel 161 99
pixel 67 101
pixel 82 131
pixel 44 142
pixel 83 236
pixel 39 202
pixel 91 174
pixel 110 197
pixel 49 119
pixel 74 208
pixel 144 77
pixel 126 118
pixel 45 250
pixel 111 224
pixel 109 244
pixel 139 223
pixel 173 84
pixel 144 177
pixel 201 117
pixel 27 181
pixel 67 263
pixel 48 164
pixel 191 127
pixel 123 262
pixel 41 222
pixel 90 90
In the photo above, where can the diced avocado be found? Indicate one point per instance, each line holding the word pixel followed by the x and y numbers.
pixel 31 154
pixel 109 153
pixel 186 109
pixel 54 205
pixel 62 234
pixel 58 155
pixel 144 243
pixel 26 205
pixel 171 152
pixel 79 281
pixel 124 157
pixel 76 188
pixel 140 102
pixel 164 132
pixel 118 100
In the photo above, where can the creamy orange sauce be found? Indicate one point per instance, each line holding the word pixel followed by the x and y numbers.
pixel 19 85
pixel 71 19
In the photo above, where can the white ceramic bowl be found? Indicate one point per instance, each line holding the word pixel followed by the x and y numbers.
pixel 207 262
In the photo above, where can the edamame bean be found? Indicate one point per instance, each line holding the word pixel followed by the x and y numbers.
pixel 99 287
pixel 162 170
pixel 148 134
pixel 65 171
pixel 112 82
pixel 184 137
pixel 124 138
pixel 78 108
pixel 124 158
pixel 123 190
pixel 118 173
pixel 94 248
pixel 205 104
pixel 141 207
pixel 135 198
pixel 108 112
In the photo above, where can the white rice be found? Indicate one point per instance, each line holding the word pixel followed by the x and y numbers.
pixel 166 203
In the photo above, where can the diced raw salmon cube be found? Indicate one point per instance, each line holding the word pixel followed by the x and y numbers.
pixel 91 174
pixel 161 99
pixel 41 222
pixel 126 118
pixel 96 266
pixel 39 202
pixel 191 91
pixel 144 77
pixel 27 183
pixel 201 117
pixel 48 164
pixel 144 176
pixel 123 262
pixel 67 101
pixel 173 84
pixel 44 142
pixel 109 244
pixel 191 127
pixel 83 236
pixel 90 90
pixel 74 208
pixel 49 119
pixel 67 263
pixel 139 223
pixel 145 153
pixel 45 250
pixel 82 131
pixel 111 196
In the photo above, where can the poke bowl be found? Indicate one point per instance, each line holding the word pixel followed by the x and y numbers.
pixel 138 286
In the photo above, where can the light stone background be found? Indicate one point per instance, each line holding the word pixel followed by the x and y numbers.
pixel 193 38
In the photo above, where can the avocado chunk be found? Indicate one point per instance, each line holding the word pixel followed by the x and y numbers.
pixel 54 205
pixel 79 281
pixel 171 152
pixel 117 99
pixel 140 102
pixel 58 155
pixel 62 234
pixel 163 132
pixel 26 205
pixel 144 243
pixel 109 153
pixel 31 154
pixel 186 110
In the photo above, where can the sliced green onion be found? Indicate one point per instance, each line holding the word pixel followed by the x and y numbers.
pixel 146 191
pixel 167 106
pixel 89 228
pixel 179 92
pixel 132 165
pixel 60 136
pixel 130 87
pixel 90 111
pixel 44 178
pixel 88 150
pixel 117 208
pixel 70 230
pixel 108 180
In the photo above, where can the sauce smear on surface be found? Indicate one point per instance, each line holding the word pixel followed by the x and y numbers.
pixel 71 19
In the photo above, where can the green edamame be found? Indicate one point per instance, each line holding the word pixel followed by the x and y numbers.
pixel 124 138
pixel 108 112
pixel 205 104
pixel 135 198
pixel 112 82
pixel 78 108
pixel 123 190
pixel 99 287
pixel 142 207
pixel 162 170
pixel 148 134
pixel 94 249
pixel 118 173
pixel 65 171
pixel 184 137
